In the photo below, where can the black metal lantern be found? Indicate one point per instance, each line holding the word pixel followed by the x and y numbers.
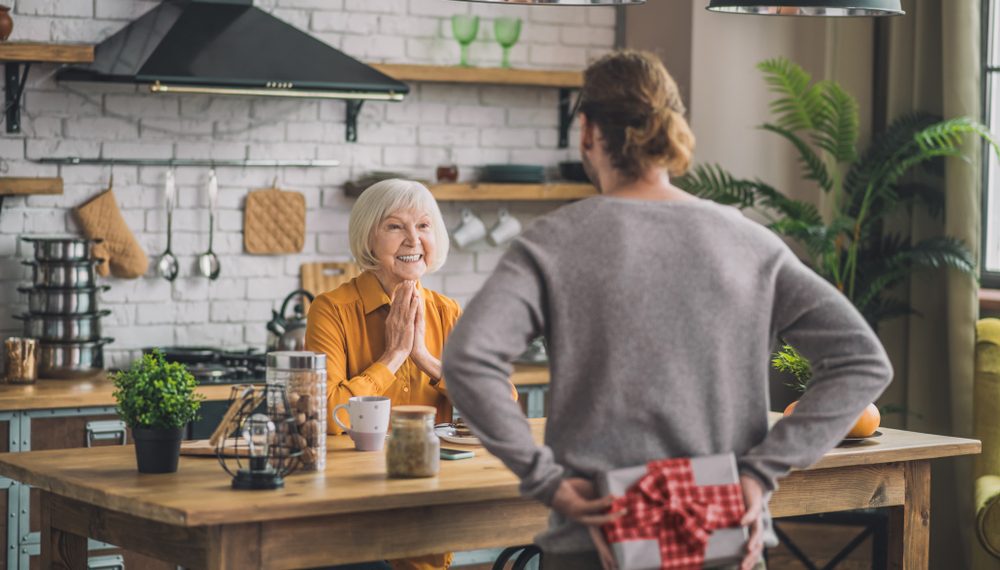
pixel 261 445
pixel 808 7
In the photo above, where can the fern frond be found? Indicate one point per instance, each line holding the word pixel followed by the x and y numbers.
pixel 883 148
pixel 799 103
pixel 711 182
pixel 837 128
pixel 812 164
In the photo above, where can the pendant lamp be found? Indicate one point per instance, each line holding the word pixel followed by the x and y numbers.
pixel 808 7
pixel 562 2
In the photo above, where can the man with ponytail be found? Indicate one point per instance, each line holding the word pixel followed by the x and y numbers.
pixel 661 311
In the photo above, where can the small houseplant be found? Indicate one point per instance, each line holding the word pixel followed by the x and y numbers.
pixel 156 399
pixel 789 360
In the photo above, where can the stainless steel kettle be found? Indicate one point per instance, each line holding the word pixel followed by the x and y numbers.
pixel 288 333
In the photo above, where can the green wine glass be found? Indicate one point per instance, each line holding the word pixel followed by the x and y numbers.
pixel 507 32
pixel 465 28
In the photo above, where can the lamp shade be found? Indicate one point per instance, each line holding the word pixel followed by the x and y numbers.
pixel 562 2
pixel 808 7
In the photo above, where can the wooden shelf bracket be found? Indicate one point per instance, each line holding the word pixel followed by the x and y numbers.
pixel 15 80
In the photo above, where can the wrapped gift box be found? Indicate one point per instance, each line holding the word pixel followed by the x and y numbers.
pixel 725 545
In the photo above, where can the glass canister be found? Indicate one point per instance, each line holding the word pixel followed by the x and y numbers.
pixel 22 361
pixel 413 449
pixel 303 374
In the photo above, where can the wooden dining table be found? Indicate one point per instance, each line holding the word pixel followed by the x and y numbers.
pixel 352 512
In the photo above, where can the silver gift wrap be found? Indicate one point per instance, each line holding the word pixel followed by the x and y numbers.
pixel 726 546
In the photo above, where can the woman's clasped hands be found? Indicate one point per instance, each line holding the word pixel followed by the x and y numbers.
pixel 405 329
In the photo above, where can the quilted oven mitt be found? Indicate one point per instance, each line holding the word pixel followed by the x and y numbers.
pixel 101 218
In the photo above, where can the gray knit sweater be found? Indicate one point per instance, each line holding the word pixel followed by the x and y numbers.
pixel 660 319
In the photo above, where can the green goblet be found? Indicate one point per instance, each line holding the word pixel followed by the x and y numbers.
pixel 465 28
pixel 507 32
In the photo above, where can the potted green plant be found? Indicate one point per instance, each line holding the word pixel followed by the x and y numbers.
pixel 854 248
pixel 156 399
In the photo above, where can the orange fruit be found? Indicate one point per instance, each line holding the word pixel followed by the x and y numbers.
pixel 866 425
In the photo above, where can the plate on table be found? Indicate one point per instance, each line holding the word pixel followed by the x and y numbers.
pixel 860 439
pixel 449 433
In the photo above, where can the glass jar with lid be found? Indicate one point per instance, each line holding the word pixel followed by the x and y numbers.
pixel 413 449
pixel 303 375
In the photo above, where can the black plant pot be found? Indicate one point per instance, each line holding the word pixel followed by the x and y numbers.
pixel 156 449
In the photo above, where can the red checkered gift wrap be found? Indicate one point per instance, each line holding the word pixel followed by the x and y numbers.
pixel 682 514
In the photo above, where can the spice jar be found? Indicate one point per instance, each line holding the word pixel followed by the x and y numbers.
pixel 303 375
pixel 413 449
pixel 22 363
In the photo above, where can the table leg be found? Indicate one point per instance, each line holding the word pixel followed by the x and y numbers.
pixel 910 525
pixel 60 549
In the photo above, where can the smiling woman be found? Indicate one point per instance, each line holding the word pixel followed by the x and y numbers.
pixel 382 332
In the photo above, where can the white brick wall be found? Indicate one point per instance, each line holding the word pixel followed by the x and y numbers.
pixel 463 124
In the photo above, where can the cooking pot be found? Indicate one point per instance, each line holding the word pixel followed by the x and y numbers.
pixel 75 301
pixel 61 248
pixel 63 328
pixel 71 359
pixel 64 274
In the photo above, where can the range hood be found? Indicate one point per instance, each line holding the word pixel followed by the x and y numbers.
pixel 230 47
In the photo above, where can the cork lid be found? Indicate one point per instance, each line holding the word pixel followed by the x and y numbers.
pixel 414 411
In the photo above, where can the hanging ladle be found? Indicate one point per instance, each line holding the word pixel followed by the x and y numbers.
pixel 208 262
pixel 167 266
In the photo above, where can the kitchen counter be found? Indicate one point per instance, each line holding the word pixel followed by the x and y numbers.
pixel 78 393
pixel 96 391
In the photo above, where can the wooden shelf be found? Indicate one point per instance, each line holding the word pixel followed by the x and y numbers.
pixel 482 191
pixel 22 186
pixel 482 75
pixel 32 52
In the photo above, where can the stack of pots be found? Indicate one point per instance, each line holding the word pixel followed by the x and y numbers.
pixel 63 311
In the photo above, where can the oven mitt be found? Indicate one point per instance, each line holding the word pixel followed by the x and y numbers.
pixel 101 218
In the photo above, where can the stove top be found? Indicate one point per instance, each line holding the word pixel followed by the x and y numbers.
pixel 211 365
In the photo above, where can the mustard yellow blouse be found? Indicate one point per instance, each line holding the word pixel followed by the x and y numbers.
pixel 348 325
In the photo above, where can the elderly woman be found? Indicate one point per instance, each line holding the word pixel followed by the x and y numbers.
pixel 382 332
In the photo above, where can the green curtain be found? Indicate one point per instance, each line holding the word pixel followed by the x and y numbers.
pixel 933 64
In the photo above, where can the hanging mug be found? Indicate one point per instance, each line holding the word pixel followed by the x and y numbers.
pixel 471 230
pixel 506 228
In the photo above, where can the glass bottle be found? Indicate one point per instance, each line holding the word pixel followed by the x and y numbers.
pixel 413 449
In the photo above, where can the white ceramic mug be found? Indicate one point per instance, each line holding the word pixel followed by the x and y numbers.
pixel 369 417
pixel 506 228
pixel 472 229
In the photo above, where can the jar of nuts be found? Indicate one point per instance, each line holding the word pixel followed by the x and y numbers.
pixel 303 375
pixel 413 449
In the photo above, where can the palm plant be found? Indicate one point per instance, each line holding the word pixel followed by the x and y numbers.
pixel 853 249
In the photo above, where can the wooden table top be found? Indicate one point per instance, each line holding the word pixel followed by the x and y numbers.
pixel 199 493
pixel 96 390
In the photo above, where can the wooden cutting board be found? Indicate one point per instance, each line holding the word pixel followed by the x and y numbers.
pixel 322 276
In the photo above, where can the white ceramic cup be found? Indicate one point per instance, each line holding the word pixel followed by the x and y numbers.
pixel 369 417
pixel 471 230
pixel 506 228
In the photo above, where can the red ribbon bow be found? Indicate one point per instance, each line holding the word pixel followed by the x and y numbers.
pixel 666 505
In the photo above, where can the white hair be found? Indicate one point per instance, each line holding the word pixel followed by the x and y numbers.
pixel 382 199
